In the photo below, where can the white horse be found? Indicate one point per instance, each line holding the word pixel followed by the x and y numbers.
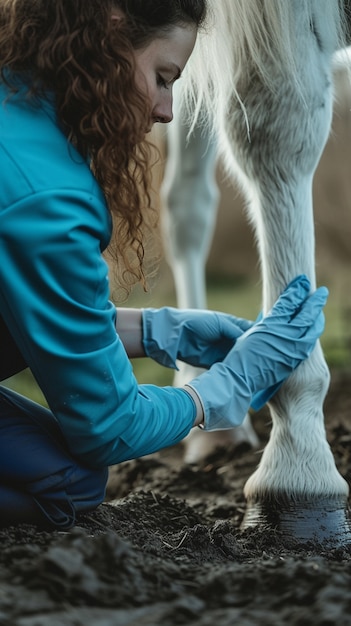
pixel 263 74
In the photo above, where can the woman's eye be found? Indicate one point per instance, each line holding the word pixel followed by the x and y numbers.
pixel 161 82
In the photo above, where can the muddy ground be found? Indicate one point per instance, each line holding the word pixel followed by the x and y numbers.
pixel 169 550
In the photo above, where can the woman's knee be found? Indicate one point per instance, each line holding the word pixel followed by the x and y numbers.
pixel 53 502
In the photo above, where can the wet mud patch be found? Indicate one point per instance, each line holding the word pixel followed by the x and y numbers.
pixel 166 548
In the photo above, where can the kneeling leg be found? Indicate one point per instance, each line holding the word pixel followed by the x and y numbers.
pixel 40 481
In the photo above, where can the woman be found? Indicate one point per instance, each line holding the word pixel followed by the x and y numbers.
pixel 81 84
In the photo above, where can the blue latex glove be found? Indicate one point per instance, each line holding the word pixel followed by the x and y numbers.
pixel 262 397
pixel 197 337
pixel 263 356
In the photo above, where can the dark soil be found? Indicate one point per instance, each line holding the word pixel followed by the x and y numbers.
pixel 169 550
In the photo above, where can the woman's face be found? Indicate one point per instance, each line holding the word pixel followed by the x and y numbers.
pixel 159 65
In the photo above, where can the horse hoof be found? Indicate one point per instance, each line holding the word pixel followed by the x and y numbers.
pixel 318 520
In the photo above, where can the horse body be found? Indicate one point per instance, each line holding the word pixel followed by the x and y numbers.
pixel 268 90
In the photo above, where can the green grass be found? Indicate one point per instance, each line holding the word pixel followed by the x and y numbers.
pixel 238 297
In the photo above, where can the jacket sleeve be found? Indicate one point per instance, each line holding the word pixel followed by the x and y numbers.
pixel 54 298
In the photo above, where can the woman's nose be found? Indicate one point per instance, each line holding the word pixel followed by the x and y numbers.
pixel 163 112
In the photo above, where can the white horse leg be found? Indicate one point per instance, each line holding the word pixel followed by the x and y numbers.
pixel 190 198
pixel 296 485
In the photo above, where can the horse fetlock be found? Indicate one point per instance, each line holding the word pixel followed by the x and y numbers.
pixel 302 467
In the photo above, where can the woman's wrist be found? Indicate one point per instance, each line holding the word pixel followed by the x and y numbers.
pixel 129 329
pixel 200 415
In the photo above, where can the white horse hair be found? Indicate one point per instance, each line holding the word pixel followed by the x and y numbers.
pixel 262 72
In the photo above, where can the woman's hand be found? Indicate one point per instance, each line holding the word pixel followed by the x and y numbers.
pixel 262 357
pixel 197 337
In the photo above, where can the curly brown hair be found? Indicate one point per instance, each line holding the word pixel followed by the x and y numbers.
pixel 73 48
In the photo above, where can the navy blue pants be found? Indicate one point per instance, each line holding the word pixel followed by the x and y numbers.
pixel 40 481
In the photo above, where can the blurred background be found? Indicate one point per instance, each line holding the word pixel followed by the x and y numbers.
pixel 233 277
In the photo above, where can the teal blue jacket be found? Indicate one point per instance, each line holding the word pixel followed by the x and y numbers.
pixel 56 315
